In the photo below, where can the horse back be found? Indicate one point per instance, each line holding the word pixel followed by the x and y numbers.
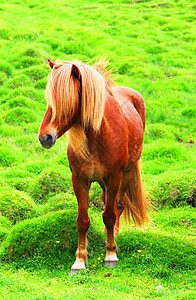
pixel 129 98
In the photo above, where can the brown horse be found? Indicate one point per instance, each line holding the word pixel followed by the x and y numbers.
pixel 105 127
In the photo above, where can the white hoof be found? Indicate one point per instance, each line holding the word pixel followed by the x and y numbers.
pixel 111 257
pixel 77 266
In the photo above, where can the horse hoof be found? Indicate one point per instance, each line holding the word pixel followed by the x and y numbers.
pixel 77 266
pixel 110 263
pixel 73 271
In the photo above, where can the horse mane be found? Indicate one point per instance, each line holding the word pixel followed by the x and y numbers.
pixel 63 92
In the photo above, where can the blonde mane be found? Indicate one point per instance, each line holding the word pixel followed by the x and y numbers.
pixel 63 91
pixel 64 94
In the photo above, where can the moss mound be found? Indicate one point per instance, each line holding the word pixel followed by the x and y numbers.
pixel 16 205
pixel 37 72
pixel 41 84
pixel 54 234
pixel 3 78
pixel 19 179
pixel 29 52
pixel 27 57
pixel 8 156
pixel 4 222
pixel 169 151
pixel 189 112
pixel 22 101
pixel 61 201
pixel 50 239
pixel 19 115
pixel 159 131
pixel 144 246
pixel 5 33
pixel 164 155
pixel 3 234
pixel 5 68
pixel 50 181
pixel 18 81
pixel 26 62
pixel 28 92
pixel 174 188
pixel 10 131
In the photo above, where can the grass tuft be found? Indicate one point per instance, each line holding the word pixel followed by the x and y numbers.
pixel 16 205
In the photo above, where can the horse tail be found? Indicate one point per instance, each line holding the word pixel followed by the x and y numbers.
pixel 136 202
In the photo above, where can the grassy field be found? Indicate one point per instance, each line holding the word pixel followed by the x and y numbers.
pixel 151 45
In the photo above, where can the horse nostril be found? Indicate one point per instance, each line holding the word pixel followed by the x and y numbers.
pixel 48 139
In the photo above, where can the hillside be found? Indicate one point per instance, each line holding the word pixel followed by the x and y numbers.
pixel 151 46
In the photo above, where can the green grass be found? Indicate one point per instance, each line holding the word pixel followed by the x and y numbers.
pixel 151 45
pixel 157 262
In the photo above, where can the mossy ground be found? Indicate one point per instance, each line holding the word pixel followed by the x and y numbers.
pixel 151 45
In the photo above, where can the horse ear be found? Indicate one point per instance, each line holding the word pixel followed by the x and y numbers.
pixel 51 63
pixel 75 71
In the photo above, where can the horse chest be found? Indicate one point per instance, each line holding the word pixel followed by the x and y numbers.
pixel 94 171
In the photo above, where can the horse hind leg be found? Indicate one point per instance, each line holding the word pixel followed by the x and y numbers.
pixel 120 200
pixel 109 218
pixel 119 207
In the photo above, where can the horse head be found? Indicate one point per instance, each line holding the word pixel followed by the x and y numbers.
pixel 63 97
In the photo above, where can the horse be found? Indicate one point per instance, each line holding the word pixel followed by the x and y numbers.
pixel 105 131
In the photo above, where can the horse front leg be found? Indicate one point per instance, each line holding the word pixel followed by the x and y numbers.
pixel 81 190
pixel 109 218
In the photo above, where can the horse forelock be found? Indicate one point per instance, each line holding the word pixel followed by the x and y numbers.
pixel 63 92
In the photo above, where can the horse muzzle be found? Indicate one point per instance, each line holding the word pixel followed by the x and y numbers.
pixel 47 140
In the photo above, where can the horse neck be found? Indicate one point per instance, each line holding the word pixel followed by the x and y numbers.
pixel 112 122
